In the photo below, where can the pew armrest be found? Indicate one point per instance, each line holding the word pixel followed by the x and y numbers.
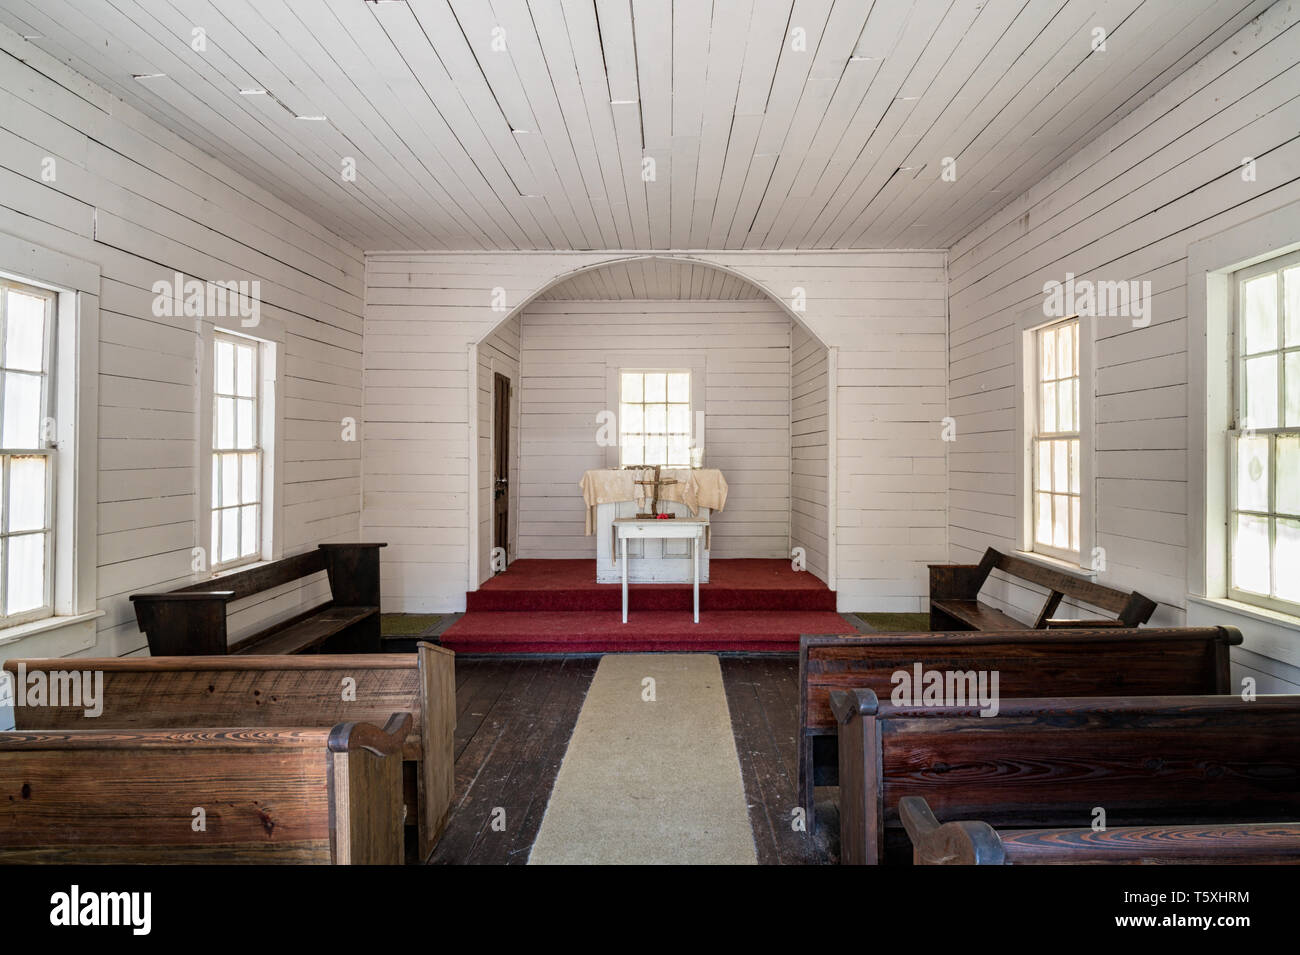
pixel 846 704
pixel 187 622
pixel 955 581
pixel 953 843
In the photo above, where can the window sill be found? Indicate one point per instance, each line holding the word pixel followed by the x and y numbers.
pixel 46 625
pixel 1055 563
pixel 1274 617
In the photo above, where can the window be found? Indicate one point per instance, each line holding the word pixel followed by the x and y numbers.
pixel 655 418
pixel 27 457
pixel 1264 437
pixel 238 450
pixel 1054 444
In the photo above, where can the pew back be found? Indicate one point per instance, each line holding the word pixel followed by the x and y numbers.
pixel 245 795
pixel 1103 662
pixel 1049 762
pixel 276 691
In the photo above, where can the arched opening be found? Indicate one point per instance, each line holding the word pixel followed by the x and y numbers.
pixel 760 377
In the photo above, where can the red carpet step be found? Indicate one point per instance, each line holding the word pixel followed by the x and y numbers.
pixel 652 630
pixel 570 586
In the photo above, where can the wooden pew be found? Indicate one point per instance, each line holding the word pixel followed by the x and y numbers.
pixel 1048 762
pixel 1105 662
pixel 191 620
pixel 165 693
pixel 955 603
pixel 294 795
pixel 978 843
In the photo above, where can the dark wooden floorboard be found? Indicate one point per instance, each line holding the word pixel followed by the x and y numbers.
pixel 514 720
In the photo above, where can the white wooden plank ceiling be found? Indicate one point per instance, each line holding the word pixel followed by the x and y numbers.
pixel 527 124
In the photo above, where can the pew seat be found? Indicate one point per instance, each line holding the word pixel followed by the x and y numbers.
pixel 1049 763
pixel 319 690
pixel 301 795
pixel 978 843
pixel 955 603
pixel 1093 662
pixel 192 620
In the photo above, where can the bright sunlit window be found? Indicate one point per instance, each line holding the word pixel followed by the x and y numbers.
pixel 1264 495
pixel 1054 442
pixel 654 418
pixel 238 454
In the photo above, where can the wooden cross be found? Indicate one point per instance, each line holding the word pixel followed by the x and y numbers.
pixel 654 497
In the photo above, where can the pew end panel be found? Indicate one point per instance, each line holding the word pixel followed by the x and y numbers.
pixel 367 814
pixel 438 765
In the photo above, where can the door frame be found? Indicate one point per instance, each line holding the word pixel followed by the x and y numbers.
pixel 472 489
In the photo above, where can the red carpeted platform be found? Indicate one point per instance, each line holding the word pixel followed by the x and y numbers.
pixel 556 606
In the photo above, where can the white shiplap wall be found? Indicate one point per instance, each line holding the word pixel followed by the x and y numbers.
pixel 809 438
pixel 745 347
pixel 141 204
pixel 1125 207
pixel 884 314
pixel 498 354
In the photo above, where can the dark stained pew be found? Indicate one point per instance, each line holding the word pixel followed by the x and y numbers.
pixel 191 620
pixel 955 603
pixel 1049 762
pixel 290 795
pixel 978 843
pixel 1104 662
pixel 164 693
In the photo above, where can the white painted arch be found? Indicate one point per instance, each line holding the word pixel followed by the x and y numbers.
pixel 693 258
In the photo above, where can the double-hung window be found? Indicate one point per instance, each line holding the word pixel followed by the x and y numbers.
pixel 27 452
pixel 1264 437
pixel 238 451
pixel 1054 442
pixel 655 418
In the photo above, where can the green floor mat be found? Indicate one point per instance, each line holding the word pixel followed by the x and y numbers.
pixel 407 624
pixel 896 622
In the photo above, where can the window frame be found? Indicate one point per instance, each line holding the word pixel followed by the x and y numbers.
pixel 44 448
pixel 270 340
pixel 1038 434
pixel 257 448
pixel 1237 392
pixel 690 413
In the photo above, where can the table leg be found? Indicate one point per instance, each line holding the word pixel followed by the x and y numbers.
pixel 695 558
pixel 623 557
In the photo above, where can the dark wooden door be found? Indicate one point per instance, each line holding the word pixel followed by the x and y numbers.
pixel 501 463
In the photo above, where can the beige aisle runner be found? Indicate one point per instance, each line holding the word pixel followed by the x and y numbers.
pixel 650 782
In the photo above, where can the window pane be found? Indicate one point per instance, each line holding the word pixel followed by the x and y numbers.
pixel 27 491
pixel 1047 350
pixel 679 387
pixel 225 423
pixel 1043 522
pixel 1065 396
pixel 656 386
pixel 679 451
pixel 1288 479
pixel 1044 470
pixel 25 588
pixel 1250 554
pixel 1292 305
pixel 22 424
pixel 1261 391
pixel 632 386
pixel 229 534
pixel 1060 521
pixel 229 479
pixel 1074 465
pixel 656 419
pixel 225 376
pixel 1287 555
pixel 216 481
pixel 633 420
pixel 245 434
pixel 1065 351
pixel 1259 308
pixel 248 541
pixel 1049 408
pixel 244 371
pixel 1074 330
pixel 633 453
pixel 1293 389
pixel 679 419
pixel 1060 465
pixel 1252 474
pixel 248 464
pixel 656 450
pixel 25 332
